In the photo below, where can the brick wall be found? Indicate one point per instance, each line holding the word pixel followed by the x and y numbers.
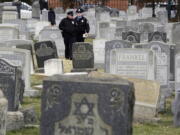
pixel 120 4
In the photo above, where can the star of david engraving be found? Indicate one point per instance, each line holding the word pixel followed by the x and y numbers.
pixel 84 108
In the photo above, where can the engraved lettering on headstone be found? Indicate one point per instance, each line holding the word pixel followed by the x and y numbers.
pixel 83 106
pixel 52 98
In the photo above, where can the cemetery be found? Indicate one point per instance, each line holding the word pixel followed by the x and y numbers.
pixel 124 79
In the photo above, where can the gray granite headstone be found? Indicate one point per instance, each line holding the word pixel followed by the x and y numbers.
pixel 157 36
pixel 90 15
pixel 95 104
pixel 162 53
pixel 131 36
pixel 99 52
pixel 44 50
pixel 24 33
pixel 103 30
pixel 3 113
pixel 11 84
pixel 136 63
pixel 118 33
pixel 36 9
pixel 9 13
pixel 176 33
pixel 145 29
pixel 54 34
pixel 22 44
pixel 177 72
pixel 8 32
pixel 83 56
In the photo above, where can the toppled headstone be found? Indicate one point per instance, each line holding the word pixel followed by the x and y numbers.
pixel 83 57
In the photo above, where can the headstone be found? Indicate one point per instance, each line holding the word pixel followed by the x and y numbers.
pixel 162 53
pixel 176 33
pixel 131 36
pixel 147 95
pixel 10 81
pixel 157 36
pixel 53 66
pixel 95 104
pixel 59 17
pixel 99 52
pixel 83 56
pixel 145 12
pixel 90 15
pixel 38 27
pixel 54 34
pixel 21 44
pixel 45 50
pixel 3 113
pixel 114 12
pixel 9 13
pixel 104 15
pixel 44 15
pixel 123 15
pixel 31 25
pixel 132 13
pixel 176 112
pixel 36 9
pixel 163 16
pixel 1 9
pixel 118 33
pixel 136 63
pixel 120 24
pixel 23 30
pixel 145 29
pixel 103 30
pixel 177 72
pixel 15 120
pixel 21 58
pixel 8 32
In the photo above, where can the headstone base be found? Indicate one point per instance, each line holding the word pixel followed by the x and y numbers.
pixel 30 116
pixel 147 115
pixel 84 70
pixel 15 121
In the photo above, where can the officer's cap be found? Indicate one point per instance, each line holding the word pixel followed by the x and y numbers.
pixel 70 13
pixel 79 10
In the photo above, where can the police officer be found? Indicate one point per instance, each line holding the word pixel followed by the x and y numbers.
pixel 68 28
pixel 82 25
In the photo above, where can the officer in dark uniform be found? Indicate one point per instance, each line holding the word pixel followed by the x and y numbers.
pixel 68 28
pixel 82 25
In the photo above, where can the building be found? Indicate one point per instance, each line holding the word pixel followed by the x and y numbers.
pixel 120 4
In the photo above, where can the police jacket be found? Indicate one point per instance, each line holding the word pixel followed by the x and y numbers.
pixel 68 27
pixel 82 25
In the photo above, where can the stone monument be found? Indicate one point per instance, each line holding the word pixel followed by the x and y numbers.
pixel 95 104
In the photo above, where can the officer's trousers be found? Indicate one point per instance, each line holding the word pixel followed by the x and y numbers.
pixel 80 38
pixel 68 41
